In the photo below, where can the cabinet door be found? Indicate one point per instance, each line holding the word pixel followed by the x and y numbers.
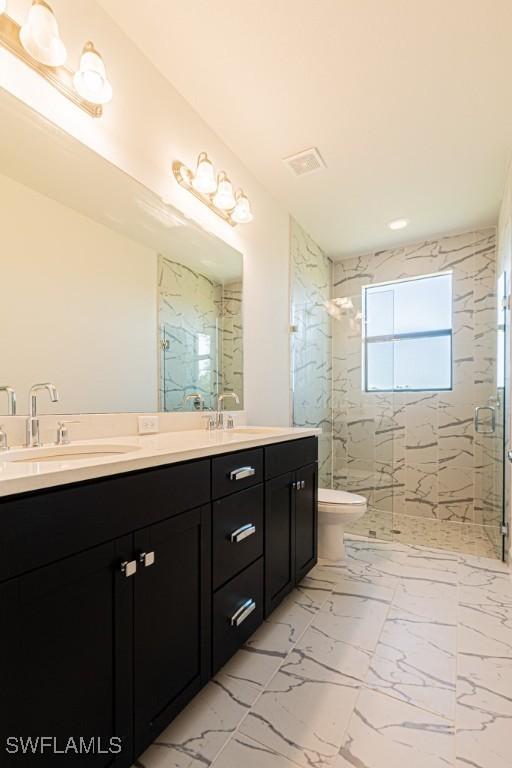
pixel 306 520
pixel 279 540
pixel 63 625
pixel 171 619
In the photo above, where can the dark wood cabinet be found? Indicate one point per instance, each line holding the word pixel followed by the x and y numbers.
pixel 65 656
pixel 237 612
pixel 119 597
pixel 306 520
pixel 171 620
pixel 291 519
pixel 279 539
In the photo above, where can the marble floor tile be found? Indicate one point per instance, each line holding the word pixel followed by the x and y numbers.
pixel 399 656
pixel 485 630
pixel 303 712
pixel 243 751
pixel 299 608
pixel 484 711
pixel 415 659
pixel 195 737
pixel 384 733
pixel 355 613
pixel 262 655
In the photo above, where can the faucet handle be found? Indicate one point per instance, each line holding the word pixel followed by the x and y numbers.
pixel 231 422
pixel 4 445
pixel 210 422
pixel 63 431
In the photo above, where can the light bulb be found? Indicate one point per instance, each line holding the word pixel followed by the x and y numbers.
pixel 242 213
pixel 224 197
pixel 398 224
pixel 3 6
pixel 204 180
pixel 40 35
pixel 91 81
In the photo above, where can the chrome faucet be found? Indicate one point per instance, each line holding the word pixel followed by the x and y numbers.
pixel 220 401
pixel 33 440
pixel 11 400
pixel 196 397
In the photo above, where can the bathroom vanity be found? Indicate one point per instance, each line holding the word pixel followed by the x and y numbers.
pixel 122 593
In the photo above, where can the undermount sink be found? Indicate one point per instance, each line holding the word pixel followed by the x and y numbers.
pixel 66 453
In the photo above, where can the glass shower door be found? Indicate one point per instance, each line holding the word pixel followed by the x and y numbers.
pixel 364 409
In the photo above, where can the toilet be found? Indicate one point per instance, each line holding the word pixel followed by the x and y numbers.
pixel 337 510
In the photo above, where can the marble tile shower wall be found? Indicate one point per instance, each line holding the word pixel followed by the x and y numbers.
pixel 189 305
pixel 311 343
pixel 416 454
pixel 231 340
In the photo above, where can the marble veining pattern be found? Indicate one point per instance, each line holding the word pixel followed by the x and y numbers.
pixel 201 329
pixel 399 655
pixel 416 455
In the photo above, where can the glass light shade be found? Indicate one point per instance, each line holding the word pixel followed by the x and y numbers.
pixel 40 36
pixel 242 213
pixel 224 197
pixel 204 180
pixel 91 81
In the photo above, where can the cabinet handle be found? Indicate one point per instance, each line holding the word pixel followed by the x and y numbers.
pixel 147 559
pixel 129 568
pixel 240 474
pixel 243 613
pixel 243 533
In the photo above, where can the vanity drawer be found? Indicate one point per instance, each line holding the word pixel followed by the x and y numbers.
pixel 286 457
pixel 237 533
pixel 237 612
pixel 236 471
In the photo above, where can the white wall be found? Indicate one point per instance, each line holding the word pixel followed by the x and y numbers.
pixel 78 308
pixel 146 127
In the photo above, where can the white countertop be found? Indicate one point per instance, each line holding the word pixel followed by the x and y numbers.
pixel 148 451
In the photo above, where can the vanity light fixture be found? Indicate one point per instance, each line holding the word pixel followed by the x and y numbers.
pixel 204 177
pixel 40 36
pixel 38 44
pixel 91 81
pixel 215 192
pixel 241 213
pixel 224 197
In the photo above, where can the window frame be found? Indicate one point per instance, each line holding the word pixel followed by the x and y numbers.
pixel 397 337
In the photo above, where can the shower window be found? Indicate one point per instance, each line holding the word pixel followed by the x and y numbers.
pixel 407 334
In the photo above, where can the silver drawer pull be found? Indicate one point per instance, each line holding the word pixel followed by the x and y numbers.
pixel 243 613
pixel 240 474
pixel 129 568
pixel 147 559
pixel 243 533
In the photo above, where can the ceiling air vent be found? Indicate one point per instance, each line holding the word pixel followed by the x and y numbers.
pixel 307 161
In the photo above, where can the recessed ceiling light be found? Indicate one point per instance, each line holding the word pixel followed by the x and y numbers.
pixel 398 223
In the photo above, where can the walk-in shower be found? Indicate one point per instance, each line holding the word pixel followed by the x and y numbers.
pixel 399 357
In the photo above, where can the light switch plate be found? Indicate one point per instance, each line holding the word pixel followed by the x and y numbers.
pixel 148 425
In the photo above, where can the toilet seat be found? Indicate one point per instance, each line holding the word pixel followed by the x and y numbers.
pixel 328 496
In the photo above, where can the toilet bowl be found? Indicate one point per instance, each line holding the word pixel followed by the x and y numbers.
pixel 337 510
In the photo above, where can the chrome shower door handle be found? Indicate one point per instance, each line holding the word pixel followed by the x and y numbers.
pixel 479 423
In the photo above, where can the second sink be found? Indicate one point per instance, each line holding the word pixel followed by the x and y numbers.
pixel 66 453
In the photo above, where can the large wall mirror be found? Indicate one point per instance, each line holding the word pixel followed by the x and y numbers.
pixel 106 291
